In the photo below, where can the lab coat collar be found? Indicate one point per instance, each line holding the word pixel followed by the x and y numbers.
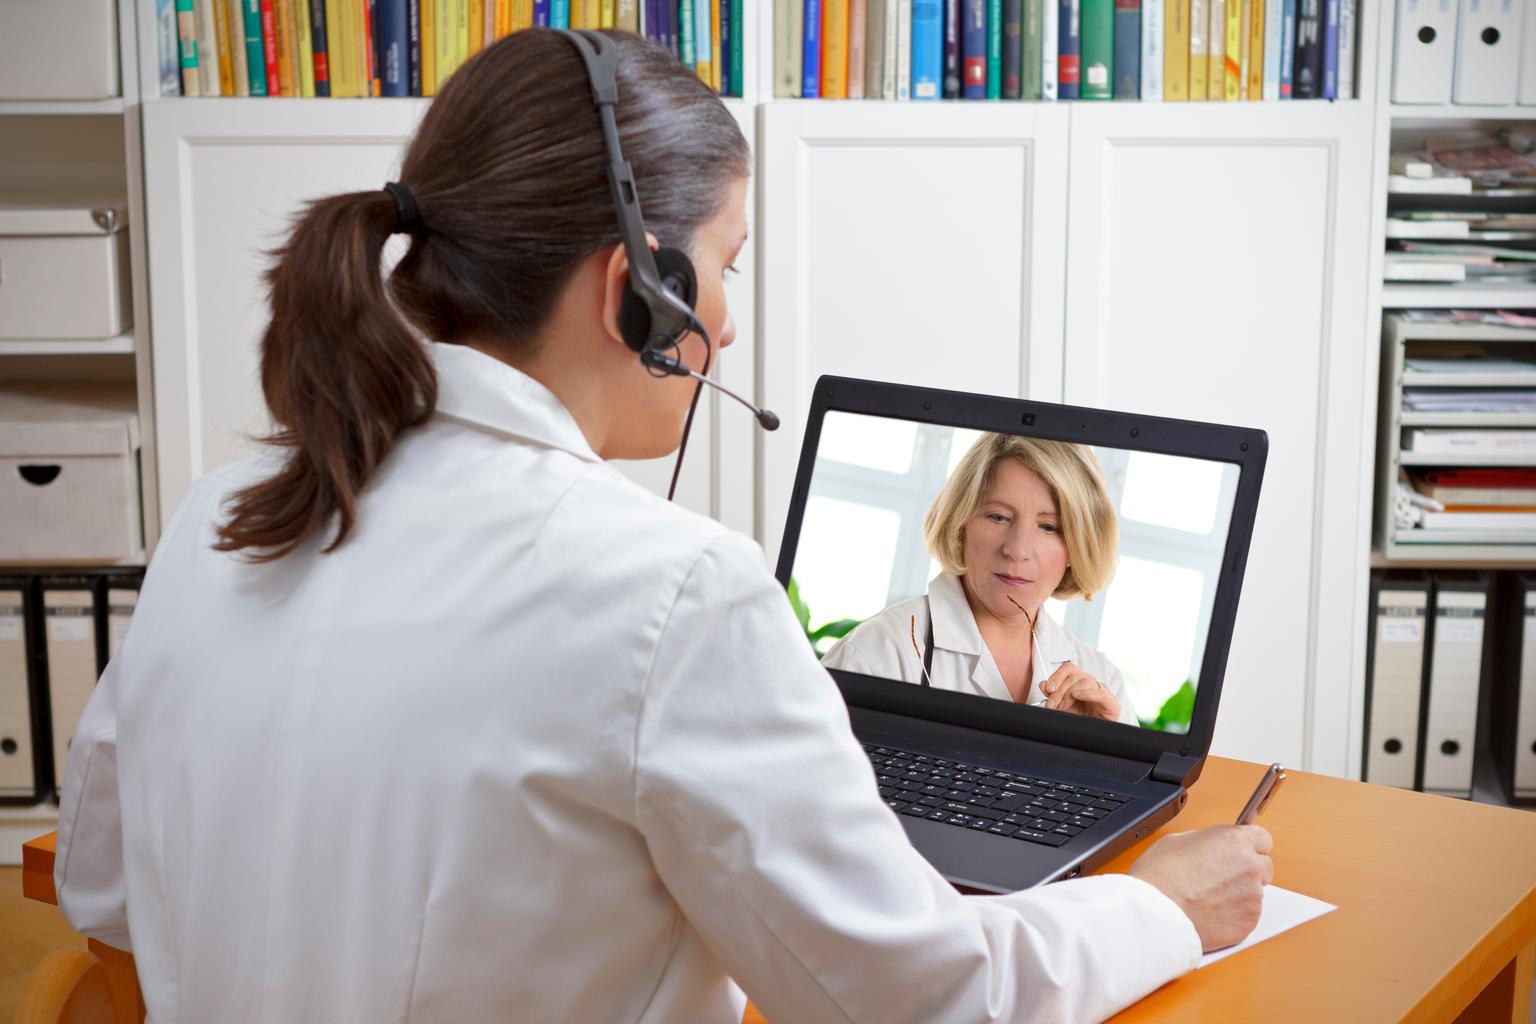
pixel 482 391
pixel 954 625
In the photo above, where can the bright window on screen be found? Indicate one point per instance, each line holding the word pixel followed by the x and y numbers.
pixel 843 562
pixel 1150 627
pixel 1177 493
pixel 868 441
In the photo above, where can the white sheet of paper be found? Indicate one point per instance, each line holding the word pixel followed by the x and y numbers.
pixel 1283 910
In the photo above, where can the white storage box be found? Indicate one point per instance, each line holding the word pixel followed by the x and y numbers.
pixel 58 50
pixel 69 473
pixel 63 267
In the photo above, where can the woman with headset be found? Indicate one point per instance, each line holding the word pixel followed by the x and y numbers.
pixel 429 714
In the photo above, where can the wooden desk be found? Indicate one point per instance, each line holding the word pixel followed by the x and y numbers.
pixel 1436 918
pixel 1436 898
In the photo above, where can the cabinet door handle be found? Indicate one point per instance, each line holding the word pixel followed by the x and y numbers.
pixel 40 475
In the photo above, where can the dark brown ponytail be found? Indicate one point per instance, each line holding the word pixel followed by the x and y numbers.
pixel 507 172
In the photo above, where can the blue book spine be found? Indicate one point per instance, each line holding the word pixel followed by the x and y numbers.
pixel 1128 49
pixel 170 47
pixel 973 50
pixel 1069 52
pixel 255 55
pixel 927 49
pixel 652 18
pixel 392 35
pixel 559 13
pixel 413 44
pixel 724 56
pixel 1331 50
pixel 319 33
pixel 701 32
pixel 810 73
pixel 541 13
pixel 1287 47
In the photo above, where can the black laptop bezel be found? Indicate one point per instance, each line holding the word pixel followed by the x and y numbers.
pixel 1246 448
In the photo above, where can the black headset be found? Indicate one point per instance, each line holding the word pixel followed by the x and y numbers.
pixel 657 308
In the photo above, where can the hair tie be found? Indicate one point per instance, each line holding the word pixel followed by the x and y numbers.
pixel 407 217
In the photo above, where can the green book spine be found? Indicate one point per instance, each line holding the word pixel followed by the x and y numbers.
pixel 995 49
pixel 255 58
pixel 737 27
pixel 1098 49
pixel 1029 67
pixel 685 18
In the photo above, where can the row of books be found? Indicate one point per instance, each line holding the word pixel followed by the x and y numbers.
pixel 1170 50
pixel 57 633
pixel 1461 210
pixel 1478 499
pixel 356 48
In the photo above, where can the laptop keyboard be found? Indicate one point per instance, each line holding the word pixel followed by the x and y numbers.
pixel 1009 804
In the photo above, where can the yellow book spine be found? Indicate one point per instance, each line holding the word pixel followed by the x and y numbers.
pixel 1216 39
pixel 225 48
pixel 1232 81
pixel 476 27
pixel 337 77
pixel 445 36
pixel 461 33
pixel 1199 49
pixel 306 50
pixel 834 49
pixel 1176 51
pixel 593 13
pixel 605 14
pixel 578 14
pixel 626 15
pixel 1256 51
pixel 521 15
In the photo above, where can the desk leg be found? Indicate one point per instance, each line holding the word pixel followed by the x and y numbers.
pixel 123 979
pixel 1507 999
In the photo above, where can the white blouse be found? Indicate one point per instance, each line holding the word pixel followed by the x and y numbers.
pixel 882 646
pixel 533 744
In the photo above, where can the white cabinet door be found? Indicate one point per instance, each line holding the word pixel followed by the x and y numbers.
pixel 224 180
pixel 917 243
pixel 1216 271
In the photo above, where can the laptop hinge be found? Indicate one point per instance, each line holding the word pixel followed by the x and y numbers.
pixel 1172 768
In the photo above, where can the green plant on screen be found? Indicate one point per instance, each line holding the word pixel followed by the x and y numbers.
pixel 1176 711
pixel 822 637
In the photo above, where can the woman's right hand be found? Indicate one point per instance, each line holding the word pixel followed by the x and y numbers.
pixel 1216 875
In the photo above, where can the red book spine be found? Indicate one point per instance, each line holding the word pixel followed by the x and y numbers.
pixel 269 44
pixel 373 72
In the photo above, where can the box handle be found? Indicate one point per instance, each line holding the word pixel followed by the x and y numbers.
pixel 38 475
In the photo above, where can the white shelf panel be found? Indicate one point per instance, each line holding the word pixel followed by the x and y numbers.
pixel 1457 296
pixel 57 107
pixel 1464 459
pixel 120 345
pixel 1455 112
pixel 1469 380
pixel 20 824
pixel 1468 419
pixel 1453 556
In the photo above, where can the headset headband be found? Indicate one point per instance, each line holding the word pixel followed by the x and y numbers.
pixel 670 316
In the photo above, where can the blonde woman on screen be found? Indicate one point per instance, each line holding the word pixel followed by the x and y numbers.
pixel 1020 520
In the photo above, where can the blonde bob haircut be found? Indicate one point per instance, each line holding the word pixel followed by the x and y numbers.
pixel 1086 516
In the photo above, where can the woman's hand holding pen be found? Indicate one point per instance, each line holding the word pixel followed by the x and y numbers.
pixel 1216 875
pixel 1072 690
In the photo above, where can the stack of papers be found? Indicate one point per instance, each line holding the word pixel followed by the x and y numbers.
pixel 1469 399
pixel 1477 364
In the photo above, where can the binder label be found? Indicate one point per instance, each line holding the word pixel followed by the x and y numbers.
pixel 66 629
pixel 1399 625
pixel 10 628
pixel 1459 630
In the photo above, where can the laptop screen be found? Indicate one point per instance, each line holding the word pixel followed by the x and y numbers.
pixel 1075 579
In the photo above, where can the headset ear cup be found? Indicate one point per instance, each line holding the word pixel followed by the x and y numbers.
pixel 677 277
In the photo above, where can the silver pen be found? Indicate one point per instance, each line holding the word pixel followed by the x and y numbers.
pixel 1262 794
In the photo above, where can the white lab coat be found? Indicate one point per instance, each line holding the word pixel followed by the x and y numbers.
pixel 533 744
pixel 882 646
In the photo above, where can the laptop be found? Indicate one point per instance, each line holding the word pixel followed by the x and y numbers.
pixel 997 790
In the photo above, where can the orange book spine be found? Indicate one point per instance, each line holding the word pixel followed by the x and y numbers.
pixel 834 49
pixel 476 27
pixel 282 24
